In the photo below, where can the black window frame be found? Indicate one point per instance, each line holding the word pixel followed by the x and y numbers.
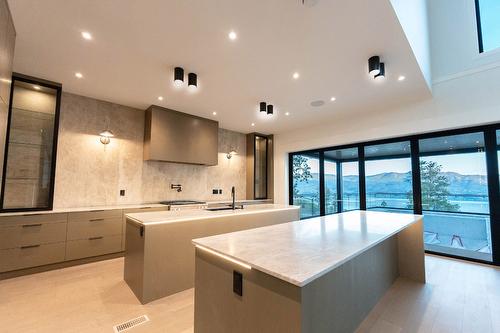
pixel 492 167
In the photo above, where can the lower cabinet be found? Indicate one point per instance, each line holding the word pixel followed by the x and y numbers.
pixel 93 246
pixel 31 256
pixel 31 240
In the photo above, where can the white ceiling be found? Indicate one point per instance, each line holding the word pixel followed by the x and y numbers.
pixel 136 44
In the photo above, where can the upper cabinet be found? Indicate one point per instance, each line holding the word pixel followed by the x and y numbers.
pixel 173 136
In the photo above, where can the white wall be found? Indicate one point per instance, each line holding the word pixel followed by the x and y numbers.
pixel 412 15
pixel 454 42
pixel 465 94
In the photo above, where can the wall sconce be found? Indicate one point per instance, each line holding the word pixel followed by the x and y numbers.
pixel 106 136
pixel 230 154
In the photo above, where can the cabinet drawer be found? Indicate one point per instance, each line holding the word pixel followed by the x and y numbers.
pixel 15 220
pixel 18 258
pixel 32 234
pixel 94 215
pixel 94 228
pixel 76 249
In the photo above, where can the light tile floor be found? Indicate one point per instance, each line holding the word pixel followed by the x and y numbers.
pixel 459 297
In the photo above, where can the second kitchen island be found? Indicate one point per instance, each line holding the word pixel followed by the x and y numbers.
pixel 159 256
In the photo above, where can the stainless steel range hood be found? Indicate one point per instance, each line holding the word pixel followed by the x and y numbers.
pixel 173 136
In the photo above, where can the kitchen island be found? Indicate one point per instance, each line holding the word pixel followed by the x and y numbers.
pixel 322 274
pixel 159 256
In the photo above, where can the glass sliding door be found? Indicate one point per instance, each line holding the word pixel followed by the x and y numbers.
pixel 388 177
pixel 305 184
pixel 455 200
pixel 341 180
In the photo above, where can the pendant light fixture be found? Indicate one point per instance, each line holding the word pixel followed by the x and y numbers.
pixel 381 74
pixel 178 76
pixel 374 65
pixel 192 80
pixel 270 110
pixel 263 107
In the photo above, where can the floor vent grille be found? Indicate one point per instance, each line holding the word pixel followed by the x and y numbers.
pixel 130 324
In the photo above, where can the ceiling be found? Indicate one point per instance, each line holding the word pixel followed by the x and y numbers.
pixel 136 45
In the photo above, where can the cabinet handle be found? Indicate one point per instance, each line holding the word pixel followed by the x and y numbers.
pixel 32 225
pixel 29 246
pixel 96 220
pixel 32 214
pixel 95 238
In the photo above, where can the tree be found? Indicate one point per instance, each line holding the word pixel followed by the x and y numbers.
pixel 301 173
pixel 434 188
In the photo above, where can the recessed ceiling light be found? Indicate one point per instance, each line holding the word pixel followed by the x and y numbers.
pixel 214 113
pixel 79 75
pixel 232 35
pixel 296 75
pixel 401 78
pixel 253 124
pixel 333 99
pixel 160 98
pixel 86 35
pixel 287 113
pixel 37 87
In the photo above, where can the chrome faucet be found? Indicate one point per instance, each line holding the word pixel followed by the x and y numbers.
pixel 233 197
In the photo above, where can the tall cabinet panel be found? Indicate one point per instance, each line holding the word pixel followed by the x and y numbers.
pixel 7 42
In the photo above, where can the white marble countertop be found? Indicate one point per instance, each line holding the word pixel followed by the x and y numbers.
pixel 124 206
pixel 299 252
pixel 152 218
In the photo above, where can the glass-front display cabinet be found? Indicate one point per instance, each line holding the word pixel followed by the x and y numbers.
pixel 259 166
pixel 30 145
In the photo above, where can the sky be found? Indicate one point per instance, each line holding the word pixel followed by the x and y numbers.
pixel 490 23
pixel 465 164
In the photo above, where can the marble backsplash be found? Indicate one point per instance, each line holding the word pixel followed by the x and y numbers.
pixel 89 173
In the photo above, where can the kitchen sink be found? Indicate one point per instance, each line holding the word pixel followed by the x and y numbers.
pixel 215 209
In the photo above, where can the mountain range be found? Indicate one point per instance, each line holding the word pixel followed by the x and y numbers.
pixel 394 182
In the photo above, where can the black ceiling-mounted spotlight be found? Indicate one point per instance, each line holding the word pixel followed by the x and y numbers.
pixel 270 109
pixel 263 107
pixel 381 73
pixel 192 80
pixel 374 65
pixel 178 76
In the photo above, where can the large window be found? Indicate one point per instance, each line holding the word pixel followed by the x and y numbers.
pixel 488 24
pixel 455 195
pixel 341 180
pixel 305 187
pixel 388 177
pixel 450 177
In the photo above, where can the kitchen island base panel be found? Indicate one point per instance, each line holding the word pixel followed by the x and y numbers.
pixel 267 304
pixel 337 301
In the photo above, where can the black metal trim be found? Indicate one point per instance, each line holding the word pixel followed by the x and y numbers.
pixel 339 187
pixel 493 191
pixel 290 178
pixel 49 84
pixel 415 177
pixel 479 29
pixel 362 179
pixel 322 184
